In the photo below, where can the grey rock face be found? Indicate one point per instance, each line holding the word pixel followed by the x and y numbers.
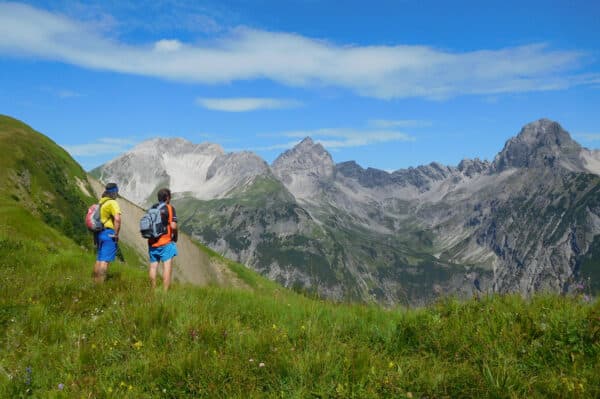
pixel 422 177
pixel 242 164
pixel 542 231
pixel 543 143
pixel 203 170
pixel 366 177
pixel 304 169
pixel 305 158
pixel 473 167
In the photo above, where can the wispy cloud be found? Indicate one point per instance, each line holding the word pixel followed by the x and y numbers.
pixel 272 147
pixel 215 137
pixel 68 94
pixel 61 93
pixel 102 146
pixel 167 45
pixel 588 136
pixel 335 138
pixel 380 71
pixel 401 123
pixel 341 137
pixel 245 104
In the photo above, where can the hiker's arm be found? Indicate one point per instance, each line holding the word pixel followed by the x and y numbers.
pixel 174 235
pixel 117 223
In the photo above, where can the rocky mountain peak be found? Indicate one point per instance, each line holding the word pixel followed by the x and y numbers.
pixel 543 143
pixel 305 157
pixel 308 146
pixel 305 168
pixel 175 146
pixel 158 142
pixel 306 142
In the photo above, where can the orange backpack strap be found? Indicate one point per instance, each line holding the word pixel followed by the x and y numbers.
pixel 170 208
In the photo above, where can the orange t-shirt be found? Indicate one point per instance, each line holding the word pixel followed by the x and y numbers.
pixel 168 236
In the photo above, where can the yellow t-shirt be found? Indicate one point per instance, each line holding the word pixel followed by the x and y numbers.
pixel 110 208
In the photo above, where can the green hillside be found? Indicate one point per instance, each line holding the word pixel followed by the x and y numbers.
pixel 61 336
pixel 39 176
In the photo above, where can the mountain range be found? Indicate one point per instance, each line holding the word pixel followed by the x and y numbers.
pixel 527 221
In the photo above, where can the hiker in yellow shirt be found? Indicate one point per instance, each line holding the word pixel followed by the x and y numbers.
pixel 107 239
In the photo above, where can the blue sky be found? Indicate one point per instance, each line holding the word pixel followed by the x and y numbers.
pixel 390 84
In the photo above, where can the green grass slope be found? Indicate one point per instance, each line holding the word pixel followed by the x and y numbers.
pixel 61 336
pixel 38 175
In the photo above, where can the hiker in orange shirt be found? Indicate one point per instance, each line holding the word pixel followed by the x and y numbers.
pixel 163 248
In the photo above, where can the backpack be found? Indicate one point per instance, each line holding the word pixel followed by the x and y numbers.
pixel 92 218
pixel 151 224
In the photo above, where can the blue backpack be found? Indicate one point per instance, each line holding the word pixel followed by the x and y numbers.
pixel 151 224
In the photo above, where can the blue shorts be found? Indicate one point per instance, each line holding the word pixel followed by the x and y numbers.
pixel 107 247
pixel 163 253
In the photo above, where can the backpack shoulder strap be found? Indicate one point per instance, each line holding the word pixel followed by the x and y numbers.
pixel 170 210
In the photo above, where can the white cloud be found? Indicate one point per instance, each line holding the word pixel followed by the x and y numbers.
pixel 282 146
pixel 68 94
pixel 336 138
pixel 61 93
pixel 245 104
pixel 588 136
pixel 380 71
pixel 102 146
pixel 387 123
pixel 167 45
pixel 341 138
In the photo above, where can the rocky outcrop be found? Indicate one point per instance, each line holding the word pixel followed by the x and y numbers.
pixel 473 167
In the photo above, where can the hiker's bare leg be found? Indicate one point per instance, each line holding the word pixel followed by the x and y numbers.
pixel 152 273
pixel 167 266
pixel 100 269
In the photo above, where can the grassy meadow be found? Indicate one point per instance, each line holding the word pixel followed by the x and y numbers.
pixel 62 336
